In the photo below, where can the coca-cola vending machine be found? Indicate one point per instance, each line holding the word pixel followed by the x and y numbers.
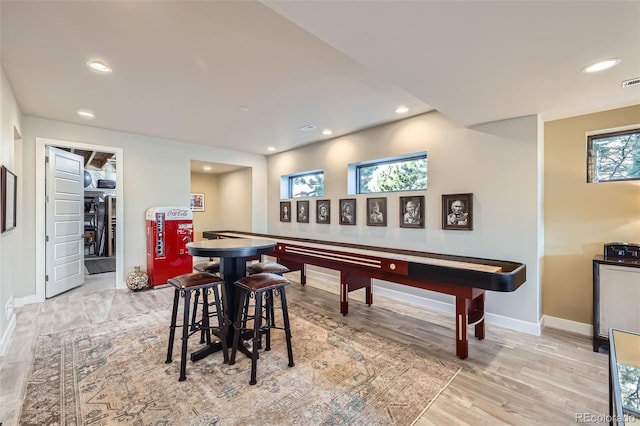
pixel 169 229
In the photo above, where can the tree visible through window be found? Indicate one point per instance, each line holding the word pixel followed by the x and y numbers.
pixel 309 184
pixel 405 174
pixel 613 156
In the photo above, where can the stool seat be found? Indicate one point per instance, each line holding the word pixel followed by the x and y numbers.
pixel 212 266
pixel 270 267
pixel 262 281
pixel 194 280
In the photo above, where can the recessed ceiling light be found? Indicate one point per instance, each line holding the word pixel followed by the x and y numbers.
pixel 271 148
pixel 602 65
pixel 207 168
pixel 401 110
pixel 99 66
pixel 327 132
pixel 243 108
pixel 85 113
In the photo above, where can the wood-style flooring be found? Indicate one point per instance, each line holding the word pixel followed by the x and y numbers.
pixel 510 378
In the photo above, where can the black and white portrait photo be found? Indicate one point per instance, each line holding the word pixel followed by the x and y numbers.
pixel 348 211
pixel 412 212
pixel 285 211
pixel 457 211
pixel 323 211
pixel 376 212
pixel 303 211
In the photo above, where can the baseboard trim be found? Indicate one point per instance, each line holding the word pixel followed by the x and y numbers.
pixel 567 325
pixel 27 300
pixel 8 334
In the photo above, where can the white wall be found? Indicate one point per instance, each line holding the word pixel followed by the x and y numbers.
pixel 10 241
pixel 156 172
pixel 498 163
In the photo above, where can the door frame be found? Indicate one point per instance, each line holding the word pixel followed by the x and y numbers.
pixel 40 168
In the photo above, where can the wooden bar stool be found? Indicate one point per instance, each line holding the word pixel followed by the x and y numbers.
pixel 264 285
pixel 184 285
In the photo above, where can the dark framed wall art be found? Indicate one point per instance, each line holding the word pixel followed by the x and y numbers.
pixel 285 211
pixel 323 211
pixel 9 196
pixel 412 212
pixel 457 211
pixel 348 211
pixel 377 211
pixel 302 211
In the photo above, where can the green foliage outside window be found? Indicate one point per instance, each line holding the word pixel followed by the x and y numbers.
pixel 402 175
pixel 614 156
pixel 307 185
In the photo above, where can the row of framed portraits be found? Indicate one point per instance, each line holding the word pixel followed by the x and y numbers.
pixel 457 212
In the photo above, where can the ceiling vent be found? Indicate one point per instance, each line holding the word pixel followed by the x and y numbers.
pixel 307 127
pixel 632 82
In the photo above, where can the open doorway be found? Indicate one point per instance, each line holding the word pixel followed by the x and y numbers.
pixel 101 215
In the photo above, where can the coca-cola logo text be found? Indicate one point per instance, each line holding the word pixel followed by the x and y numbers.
pixel 177 213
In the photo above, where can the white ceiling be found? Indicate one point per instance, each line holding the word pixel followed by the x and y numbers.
pixel 182 68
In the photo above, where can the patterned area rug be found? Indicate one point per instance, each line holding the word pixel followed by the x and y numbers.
pixel 114 373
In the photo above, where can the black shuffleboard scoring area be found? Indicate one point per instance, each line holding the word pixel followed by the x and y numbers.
pixel 466 278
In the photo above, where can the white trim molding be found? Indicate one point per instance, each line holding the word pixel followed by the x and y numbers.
pixel 8 334
pixel 567 325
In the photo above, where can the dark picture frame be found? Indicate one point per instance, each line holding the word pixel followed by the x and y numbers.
pixel 377 211
pixel 302 211
pixel 8 199
pixel 347 211
pixel 457 211
pixel 323 211
pixel 285 211
pixel 412 212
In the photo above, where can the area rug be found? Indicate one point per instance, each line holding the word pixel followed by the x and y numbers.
pixel 114 373
pixel 100 265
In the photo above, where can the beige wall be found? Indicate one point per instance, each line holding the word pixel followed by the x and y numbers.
pixel 235 201
pixel 498 162
pixel 207 184
pixel 579 217
pixel 10 241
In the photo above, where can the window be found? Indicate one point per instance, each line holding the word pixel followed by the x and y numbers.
pixel 613 156
pixel 307 184
pixel 406 173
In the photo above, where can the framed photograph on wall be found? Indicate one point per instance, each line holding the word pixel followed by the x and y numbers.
pixel 197 202
pixel 377 211
pixel 348 211
pixel 323 211
pixel 285 211
pixel 302 211
pixel 9 196
pixel 412 212
pixel 457 212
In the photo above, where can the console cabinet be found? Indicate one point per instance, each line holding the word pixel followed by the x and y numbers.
pixel 616 298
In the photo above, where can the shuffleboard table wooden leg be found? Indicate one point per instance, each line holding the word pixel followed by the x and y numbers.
pixel 462 344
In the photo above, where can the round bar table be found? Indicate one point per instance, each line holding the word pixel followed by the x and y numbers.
pixel 233 254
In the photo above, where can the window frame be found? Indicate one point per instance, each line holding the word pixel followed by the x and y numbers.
pixel 354 172
pixel 286 184
pixel 591 167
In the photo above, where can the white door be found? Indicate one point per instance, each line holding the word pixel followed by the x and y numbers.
pixel 64 189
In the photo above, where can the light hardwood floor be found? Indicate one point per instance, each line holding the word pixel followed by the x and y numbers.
pixel 509 378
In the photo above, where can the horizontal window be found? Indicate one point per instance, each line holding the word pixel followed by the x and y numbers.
pixel 300 185
pixel 404 173
pixel 613 156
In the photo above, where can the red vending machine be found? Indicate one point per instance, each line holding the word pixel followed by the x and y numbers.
pixel 169 229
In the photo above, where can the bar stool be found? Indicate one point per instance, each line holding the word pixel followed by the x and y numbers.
pixel 270 267
pixel 213 267
pixel 185 285
pixel 261 285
